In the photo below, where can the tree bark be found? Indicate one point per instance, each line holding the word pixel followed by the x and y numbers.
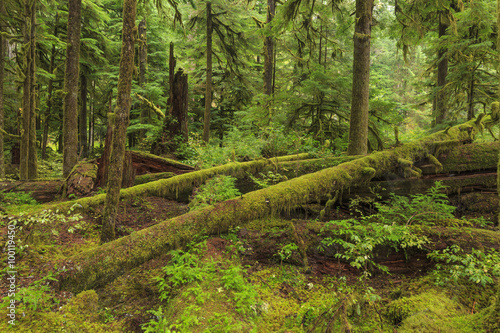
pixel 442 72
pixel 83 115
pixel 50 87
pixel 175 127
pixel 208 91
pixel 269 51
pixel 358 124
pixel 70 113
pixel 122 111
pixel 27 164
pixel 3 49
pixel 143 63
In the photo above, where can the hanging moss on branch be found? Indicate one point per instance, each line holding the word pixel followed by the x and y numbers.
pixel 100 265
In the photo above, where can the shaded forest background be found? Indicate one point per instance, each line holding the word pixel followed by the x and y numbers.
pixel 280 83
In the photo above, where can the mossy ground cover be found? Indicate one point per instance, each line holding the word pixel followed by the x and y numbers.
pixel 280 293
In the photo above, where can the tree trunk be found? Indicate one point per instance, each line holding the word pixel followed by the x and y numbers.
pixel 143 63
pixel 470 98
pixel 70 113
pixel 442 72
pixel 83 115
pixel 123 104
pixel 358 124
pixel 269 51
pixel 208 91
pixel 3 49
pixel 498 100
pixel 175 127
pixel 32 156
pixel 27 164
pixel 103 162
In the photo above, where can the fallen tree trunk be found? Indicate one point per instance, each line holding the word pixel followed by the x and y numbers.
pixel 98 266
pixel 180 186
pixel 466 168
pixel 41 190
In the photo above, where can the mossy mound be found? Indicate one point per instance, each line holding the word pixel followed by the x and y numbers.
pixel 80 315
pixel 431 311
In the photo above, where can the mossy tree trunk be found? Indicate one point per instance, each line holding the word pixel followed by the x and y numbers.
pixel 358 124
pixel 28 158
pixel 269 53
pixel 121 114
pixel 442 72
pixel 3 49
pixel 96 267
pixel 70 108
pixel 498 100
pixel 143 66
pixel 50 88
pixel 208 90
pixel 83 115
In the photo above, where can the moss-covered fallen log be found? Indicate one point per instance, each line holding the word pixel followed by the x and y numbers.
pixel 102 264
pixel 181 185
pixel 151 177
pixel 470 157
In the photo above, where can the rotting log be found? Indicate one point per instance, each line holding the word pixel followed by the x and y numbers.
pixel 140 163
pixel 96 267
pixel 41 190
pixel 148 163
pixel 81 179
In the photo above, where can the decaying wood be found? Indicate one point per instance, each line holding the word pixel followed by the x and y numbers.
pixel 144 163
pixel 100 265
pixel 42 191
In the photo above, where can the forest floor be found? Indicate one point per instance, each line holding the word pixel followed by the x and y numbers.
pixel 266 277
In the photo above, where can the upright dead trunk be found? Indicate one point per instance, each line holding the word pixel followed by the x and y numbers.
pixel 175 128
pixel 123 104
pixel 3 49
pixel 208 91
pixel 179 106
pixel 442 72
pixel 358 124
pixel 27 163
pixel 83 116
pixel 70 108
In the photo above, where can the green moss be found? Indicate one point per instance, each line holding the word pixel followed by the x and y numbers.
pixel 431 311
pixel 478 156
pixel 147 178
pixel 80 314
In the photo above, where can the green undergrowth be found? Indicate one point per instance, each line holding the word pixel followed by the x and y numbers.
pixel 80 314
pixel 202 292
pixel 431 311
